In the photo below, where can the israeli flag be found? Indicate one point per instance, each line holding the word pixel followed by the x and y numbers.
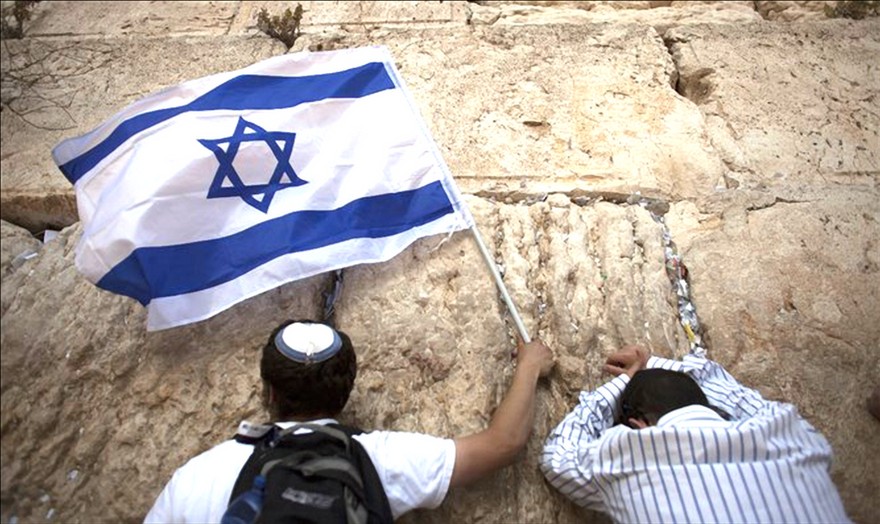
pixel 218 189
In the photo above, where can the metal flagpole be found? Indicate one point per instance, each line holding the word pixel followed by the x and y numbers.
pixel 501 287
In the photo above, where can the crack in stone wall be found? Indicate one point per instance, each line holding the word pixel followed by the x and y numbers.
pixel 578 197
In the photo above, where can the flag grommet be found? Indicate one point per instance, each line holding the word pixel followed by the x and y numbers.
pixel 308 343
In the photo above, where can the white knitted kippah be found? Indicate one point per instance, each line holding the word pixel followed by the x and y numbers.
pixel 307 342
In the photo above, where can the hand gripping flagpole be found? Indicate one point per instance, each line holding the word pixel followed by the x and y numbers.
pixel 511 307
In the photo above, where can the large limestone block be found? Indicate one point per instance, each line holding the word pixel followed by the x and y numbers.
pixel 519 110
pixel 582 5
pixel 792 104
pixel 344 13
pixel 96 412
pixel 141 18
pixel 57 89
pixel 788 291
pixel 93 405
pixel 660 17
pixel 590 108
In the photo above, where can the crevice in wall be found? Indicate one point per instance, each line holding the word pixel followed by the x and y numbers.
pixel 776 200
pixel 695 85
pixel 53 211
pixel 495 248
pixel 765 14
pixel 578 197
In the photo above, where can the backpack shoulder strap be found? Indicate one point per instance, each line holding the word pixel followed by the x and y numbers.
pixel 250 433
pixel 261 437
pixel 374 492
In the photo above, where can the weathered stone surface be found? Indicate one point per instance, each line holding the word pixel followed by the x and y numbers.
pixel 123 405
pixel 791 11
pixel 609 124
pixel 771 10
pixel 788 291
pixel 335 13
pixel 136 405
pixel 56 89
pixel 620 5
pixel 787 105
pixel 660 17
pixel 16 245
pixel 589 108
pixel 163 18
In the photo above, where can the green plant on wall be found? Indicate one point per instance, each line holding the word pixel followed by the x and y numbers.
pixel 855 9
pixel 13 16
pixel 284 28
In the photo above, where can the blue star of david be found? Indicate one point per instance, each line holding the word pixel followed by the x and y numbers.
pixel 249 132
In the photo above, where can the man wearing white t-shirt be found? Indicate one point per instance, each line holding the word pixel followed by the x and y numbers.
pixel 308 371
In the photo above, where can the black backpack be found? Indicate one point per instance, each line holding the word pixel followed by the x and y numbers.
pixel 323 476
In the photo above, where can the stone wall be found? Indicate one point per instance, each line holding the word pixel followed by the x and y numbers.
pixel 751 128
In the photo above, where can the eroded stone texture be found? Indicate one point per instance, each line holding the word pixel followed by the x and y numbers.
pixel 16 245
pixel 335 13
pixel 786 11
pixel 789 296
pixel 791 11
pixel 56 89
pixel 787 104
pixel 659 15
pixel 430 330
pixel 96 412
pixel 619 5
pixel 163 18
pixel 587 107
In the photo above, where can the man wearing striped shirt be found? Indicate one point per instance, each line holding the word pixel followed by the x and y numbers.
pixel 683 441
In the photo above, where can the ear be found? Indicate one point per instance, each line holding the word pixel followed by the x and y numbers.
pixel 268 395
pixel 271 396
pixel 637 423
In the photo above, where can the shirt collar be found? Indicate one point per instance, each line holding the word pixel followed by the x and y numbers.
pixel 323 421
pixel 693 415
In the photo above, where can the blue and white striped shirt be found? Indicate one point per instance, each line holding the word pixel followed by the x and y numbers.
pixel 765 465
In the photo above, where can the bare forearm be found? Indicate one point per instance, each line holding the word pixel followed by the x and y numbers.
pixel 498 445
pixel 513 420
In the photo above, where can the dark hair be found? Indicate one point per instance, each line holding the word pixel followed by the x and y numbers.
pixel 304 391
pixel 652 393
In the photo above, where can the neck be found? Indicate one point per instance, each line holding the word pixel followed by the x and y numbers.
pixel 302 417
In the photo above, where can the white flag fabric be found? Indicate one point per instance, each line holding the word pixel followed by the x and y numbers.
pixel 218 189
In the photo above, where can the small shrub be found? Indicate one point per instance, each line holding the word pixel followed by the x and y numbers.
pixel 13 17
pixel 855 9
pixel 284 28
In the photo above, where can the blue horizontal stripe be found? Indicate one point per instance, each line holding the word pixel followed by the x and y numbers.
pixel 153 272
pixel 242 93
